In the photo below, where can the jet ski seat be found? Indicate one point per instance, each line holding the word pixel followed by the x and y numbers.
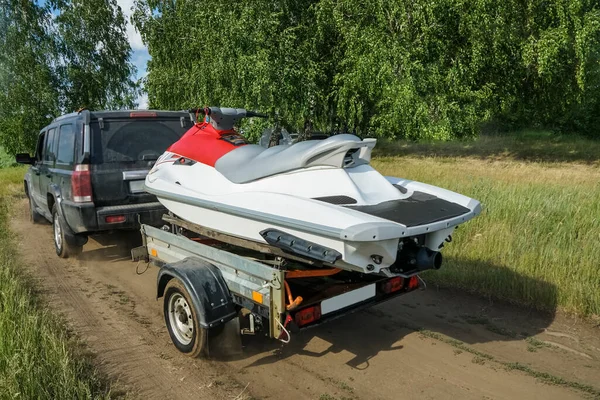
pixel 251 162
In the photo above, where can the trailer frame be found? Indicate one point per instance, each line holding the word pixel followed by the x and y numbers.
pixel 223 284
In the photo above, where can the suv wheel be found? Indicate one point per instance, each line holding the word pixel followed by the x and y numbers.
pixel 63 248
pixel 34 216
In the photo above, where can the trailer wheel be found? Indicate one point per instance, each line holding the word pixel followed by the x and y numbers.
pixel 182 321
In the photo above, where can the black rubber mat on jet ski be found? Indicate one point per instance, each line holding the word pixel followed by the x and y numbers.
pixel 418 209
pixel 337 200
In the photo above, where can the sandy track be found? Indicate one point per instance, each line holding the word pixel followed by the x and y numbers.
pixel 429 344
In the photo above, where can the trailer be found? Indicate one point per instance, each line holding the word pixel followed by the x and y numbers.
pixel 208 279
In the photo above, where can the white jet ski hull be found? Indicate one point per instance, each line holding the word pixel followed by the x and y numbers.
pixel 246 210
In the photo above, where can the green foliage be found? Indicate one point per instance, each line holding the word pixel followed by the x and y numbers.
pixel 6 159
pixel 28 87
pixel 94 69
pixel 414 69
pixel 50 65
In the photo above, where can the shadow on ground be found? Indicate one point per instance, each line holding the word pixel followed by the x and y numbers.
pixel 458 316
pixel 111 247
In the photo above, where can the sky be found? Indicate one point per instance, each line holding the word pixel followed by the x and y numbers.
pixel 140 54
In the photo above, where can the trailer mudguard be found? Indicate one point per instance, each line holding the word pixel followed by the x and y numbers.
pixel 206 286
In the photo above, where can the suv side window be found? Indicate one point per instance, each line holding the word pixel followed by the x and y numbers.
pixel 40 147
pixel 49 155
pixel 66 145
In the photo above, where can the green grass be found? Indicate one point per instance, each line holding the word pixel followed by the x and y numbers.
pixel 38 358
pixel 537 240
pixel 534 344
pixel 6 159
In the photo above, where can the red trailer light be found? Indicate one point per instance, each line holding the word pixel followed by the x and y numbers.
pixel 392 285
pixel 114 219
pixel 308 315
pixel 413 282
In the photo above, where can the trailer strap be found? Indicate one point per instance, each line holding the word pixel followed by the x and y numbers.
pixel 311 273
pixel 293 303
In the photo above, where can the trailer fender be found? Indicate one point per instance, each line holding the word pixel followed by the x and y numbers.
pixel 206 285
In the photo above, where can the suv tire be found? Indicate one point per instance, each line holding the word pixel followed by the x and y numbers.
pixel 63 248
pixel 34 216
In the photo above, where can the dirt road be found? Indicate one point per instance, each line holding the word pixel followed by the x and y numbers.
pixel 430 344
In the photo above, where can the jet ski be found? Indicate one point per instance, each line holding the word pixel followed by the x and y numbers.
pixel 318 200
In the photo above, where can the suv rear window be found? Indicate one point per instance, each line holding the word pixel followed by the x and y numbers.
pixel 133 140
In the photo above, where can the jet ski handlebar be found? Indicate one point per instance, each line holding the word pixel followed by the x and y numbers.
pixel 254 114
pixel 225 118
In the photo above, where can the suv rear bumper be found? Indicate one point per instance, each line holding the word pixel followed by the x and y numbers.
pixel 87 218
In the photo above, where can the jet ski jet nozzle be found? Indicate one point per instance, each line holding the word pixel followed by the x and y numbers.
pixel 414 258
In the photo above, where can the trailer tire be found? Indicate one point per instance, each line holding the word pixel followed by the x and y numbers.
pixel 182 321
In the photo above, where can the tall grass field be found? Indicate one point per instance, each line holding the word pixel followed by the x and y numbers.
pixel 537 241
pixel 37 359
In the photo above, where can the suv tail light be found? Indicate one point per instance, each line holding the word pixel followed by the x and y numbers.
pixel 81 184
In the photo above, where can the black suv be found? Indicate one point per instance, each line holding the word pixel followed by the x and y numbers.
pixel 88 172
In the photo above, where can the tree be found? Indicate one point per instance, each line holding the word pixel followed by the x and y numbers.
pixel 28 86
pixel 402 68
pixel 94 65
pixel 56 58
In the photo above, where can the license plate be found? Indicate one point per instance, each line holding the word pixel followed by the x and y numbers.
pixel 136 186
pixel 347 299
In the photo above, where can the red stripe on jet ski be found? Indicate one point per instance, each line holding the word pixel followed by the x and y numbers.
pixel 205 144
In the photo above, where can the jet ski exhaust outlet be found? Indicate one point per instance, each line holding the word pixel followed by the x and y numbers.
pixel 415 258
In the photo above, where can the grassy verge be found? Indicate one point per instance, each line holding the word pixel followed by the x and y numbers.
pixel 37 357
pixel 536 242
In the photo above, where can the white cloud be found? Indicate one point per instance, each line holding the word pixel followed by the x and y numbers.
pixel 135 40
pixel 142 102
